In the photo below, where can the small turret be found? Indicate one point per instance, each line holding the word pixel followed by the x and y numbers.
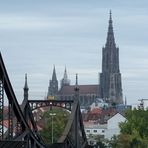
pixel 76 85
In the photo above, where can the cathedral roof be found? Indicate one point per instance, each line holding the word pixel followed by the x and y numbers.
pixel 83 89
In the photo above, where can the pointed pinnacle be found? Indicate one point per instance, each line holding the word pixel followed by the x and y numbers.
pixel 26 85
pixel 76 79
pixel 76 85
pixel 110 15
pixel 54 77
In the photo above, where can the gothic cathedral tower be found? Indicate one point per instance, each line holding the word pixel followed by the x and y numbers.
pixel 110 78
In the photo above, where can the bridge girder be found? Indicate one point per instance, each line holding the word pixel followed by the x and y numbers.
pixel 21 116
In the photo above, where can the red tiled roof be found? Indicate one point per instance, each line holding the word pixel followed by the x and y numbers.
pixel 88 123
pixel 99 115
pixel 95 111
pixel 83 89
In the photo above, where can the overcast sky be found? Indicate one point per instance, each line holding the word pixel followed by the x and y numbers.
pixel 36 34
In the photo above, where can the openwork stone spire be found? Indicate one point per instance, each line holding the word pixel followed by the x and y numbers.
pixel 110 35
pixel 110 78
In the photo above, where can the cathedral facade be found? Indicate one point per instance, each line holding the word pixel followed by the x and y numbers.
pixel 87 93
pixel 110 87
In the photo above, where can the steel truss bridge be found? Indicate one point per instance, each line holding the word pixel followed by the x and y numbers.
pixel 22 129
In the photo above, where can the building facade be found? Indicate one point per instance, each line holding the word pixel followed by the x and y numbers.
pixel 107 130
pixel 87 94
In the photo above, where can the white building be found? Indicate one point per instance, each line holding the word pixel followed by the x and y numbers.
pixel 135 106
pixel 143 104
pixel 95 129
pixel 113 125
pixel 105 130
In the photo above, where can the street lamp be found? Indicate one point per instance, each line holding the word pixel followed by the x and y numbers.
pixel 52 114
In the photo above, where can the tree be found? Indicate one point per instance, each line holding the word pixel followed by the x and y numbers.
pixel 58 122
pixel 99 140
pixel 134 131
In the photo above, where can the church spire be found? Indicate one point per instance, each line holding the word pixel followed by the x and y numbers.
pixel 65 74
pixel 53 85
pixel 54 77
pixel 110 15
pixel 26 88
pixel 65 81
pixel 76 85
pixel 110 78
pixel 110 35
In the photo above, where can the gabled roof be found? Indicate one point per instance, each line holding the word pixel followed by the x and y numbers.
pixel 117 113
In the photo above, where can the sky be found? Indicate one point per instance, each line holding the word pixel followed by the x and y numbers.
pixel 35 35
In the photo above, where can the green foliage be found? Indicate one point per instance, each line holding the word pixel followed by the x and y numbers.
pixel 137 120
pixel 100 141
pixel 58 121
pixel 134 131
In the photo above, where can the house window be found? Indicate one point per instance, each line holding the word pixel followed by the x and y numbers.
pixel 88 131
pixel 103 131
pixel 95 131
